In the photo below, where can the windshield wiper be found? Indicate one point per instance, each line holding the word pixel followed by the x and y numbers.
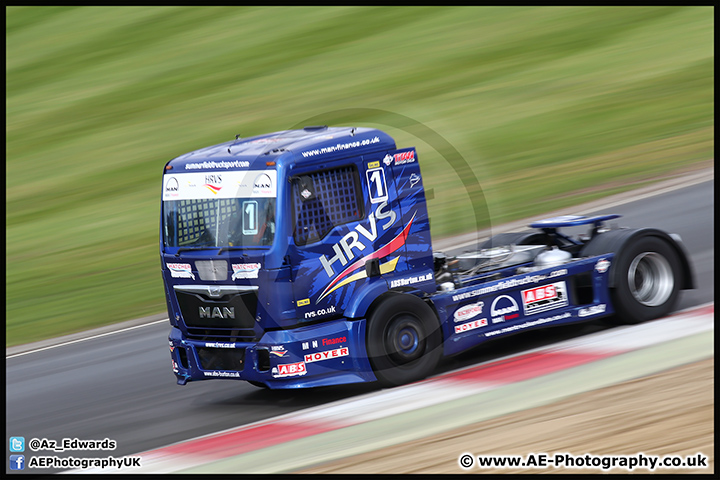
pixel 188 249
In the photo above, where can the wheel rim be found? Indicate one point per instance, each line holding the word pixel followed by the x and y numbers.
pixel 403 341
pixel 650 279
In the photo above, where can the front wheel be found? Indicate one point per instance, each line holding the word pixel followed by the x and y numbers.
pixel 404 341
pixel 648 280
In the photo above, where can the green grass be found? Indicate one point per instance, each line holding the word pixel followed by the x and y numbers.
pixel 549 106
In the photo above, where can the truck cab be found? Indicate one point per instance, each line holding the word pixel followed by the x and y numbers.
pixel 303 258
pixel 274 247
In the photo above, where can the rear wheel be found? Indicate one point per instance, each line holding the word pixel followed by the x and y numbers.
pixel 404 340
pixel 647 281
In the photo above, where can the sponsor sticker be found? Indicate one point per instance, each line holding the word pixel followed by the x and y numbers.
pixel 306 345
pixel 602 265
pixel 334 341
pixel 180 270
pixel 545 297
pixel 464 327
pixel 373 164
pixel 219 345
pixel 216 373
pixel 172 188
pixel 504 308
pixel 303 302
pixel 503 305
pixel 414 179
pixel 319 356
pixel 290 370
pixel 245 270
pixel 529 324
pixel 594 310
pixel 403 282
pixel 227 184
pixel 213 182
pixel 404 157
pixel 510 283
pixel 388 159
pixel 468 311
pixel 263 185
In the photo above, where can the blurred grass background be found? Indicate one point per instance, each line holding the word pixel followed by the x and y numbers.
pixel 550 106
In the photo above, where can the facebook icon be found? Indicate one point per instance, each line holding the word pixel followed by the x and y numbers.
pixel 17 462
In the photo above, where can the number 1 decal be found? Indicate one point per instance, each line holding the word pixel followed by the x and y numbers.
pixel 250 217
pixel 376 185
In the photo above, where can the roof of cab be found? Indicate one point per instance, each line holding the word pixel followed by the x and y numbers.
pixel 300 146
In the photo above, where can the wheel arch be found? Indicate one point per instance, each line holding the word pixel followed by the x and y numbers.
pixel 614 241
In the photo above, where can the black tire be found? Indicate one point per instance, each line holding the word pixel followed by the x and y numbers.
pixel 530 237
pixel 648 278
pixel 404 341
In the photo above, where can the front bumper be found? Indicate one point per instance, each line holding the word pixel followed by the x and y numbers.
pixel 330 353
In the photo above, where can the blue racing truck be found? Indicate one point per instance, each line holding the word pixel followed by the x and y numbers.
pixel 303 258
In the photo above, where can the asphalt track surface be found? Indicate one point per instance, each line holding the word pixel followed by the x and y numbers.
pixel 121 386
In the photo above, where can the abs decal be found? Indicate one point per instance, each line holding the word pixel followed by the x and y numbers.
pixel 543 298
pixel 289 370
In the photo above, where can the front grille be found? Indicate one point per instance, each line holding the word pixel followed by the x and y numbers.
pixel 221 358
pixel 222 334
pixel 230 318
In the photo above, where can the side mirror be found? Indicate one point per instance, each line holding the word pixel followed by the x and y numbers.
pixel 372 268
pixel 306 188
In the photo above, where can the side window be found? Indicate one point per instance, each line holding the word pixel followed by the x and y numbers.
pixel 323 200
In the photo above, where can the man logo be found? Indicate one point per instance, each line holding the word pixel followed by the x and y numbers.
pixel 172 185
pixel 504 308
pixel 262 185
pixel 216 312
pixel 503 305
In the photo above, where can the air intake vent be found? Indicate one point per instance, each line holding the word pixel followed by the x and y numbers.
pixel 212 270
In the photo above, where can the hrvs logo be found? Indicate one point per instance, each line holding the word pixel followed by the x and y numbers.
pixel 213 182
pixel 344 253
pixel 344 248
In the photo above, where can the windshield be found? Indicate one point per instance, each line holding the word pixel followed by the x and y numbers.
pixel 229 209
pixel 227 222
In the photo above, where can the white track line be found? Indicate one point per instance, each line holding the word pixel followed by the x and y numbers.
pixel 84 339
